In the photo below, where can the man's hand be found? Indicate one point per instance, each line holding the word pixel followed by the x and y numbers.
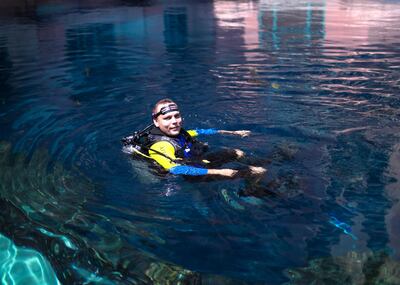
pixel 242 133
pixel 223 172
pixel 257 170
pixel 239 153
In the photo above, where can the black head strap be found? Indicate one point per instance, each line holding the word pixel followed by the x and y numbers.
pixel 165 110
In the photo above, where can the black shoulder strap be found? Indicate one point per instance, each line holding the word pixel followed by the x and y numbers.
pixel 140 138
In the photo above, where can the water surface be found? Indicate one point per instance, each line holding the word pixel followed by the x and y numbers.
pixel 317 83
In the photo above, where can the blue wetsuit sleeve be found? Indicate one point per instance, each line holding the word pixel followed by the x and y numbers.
pixel 188 170
pixel 206 131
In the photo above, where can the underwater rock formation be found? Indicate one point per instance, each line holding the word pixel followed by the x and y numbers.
pixel 353 268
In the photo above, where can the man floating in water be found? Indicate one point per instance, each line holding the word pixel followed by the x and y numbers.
pixel 178 152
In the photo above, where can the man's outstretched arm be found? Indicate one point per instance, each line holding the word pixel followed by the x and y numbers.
pixel 196 132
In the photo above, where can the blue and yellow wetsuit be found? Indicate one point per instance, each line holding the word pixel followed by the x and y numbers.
pixel 169 151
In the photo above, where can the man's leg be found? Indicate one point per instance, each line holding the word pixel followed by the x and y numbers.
pixel 219 158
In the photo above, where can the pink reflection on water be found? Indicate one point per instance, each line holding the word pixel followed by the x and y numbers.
pixel 242 16
pixel 355 23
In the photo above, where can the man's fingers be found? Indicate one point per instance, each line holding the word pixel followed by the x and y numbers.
pixel 239 153
pixel 257 170
pixel 243 133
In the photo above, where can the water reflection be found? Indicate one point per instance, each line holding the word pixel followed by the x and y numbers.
pixel 6 67
pixel 394 212
pixel 87 49
pixel 358 23
pixel 176 27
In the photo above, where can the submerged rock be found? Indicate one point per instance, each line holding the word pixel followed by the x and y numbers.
pixel 353 268
pixel 163 274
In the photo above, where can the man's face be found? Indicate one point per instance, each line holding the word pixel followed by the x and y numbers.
pixel 170 123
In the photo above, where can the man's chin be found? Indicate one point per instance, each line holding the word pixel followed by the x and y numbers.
pixel 174 132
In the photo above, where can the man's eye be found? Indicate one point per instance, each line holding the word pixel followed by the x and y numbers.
pixel 168 118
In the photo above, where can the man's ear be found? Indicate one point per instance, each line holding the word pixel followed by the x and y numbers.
pixel 156 124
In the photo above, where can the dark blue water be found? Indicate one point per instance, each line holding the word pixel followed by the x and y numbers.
pixel 316 82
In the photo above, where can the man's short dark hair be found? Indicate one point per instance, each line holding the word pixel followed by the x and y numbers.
pixel 160 102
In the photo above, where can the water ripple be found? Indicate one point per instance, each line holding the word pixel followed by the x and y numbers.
pixel 316 82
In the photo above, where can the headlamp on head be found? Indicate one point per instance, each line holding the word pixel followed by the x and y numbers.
pixel 165 110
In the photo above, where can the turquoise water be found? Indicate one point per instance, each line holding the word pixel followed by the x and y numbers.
pixel 316 82
pixel 24 266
